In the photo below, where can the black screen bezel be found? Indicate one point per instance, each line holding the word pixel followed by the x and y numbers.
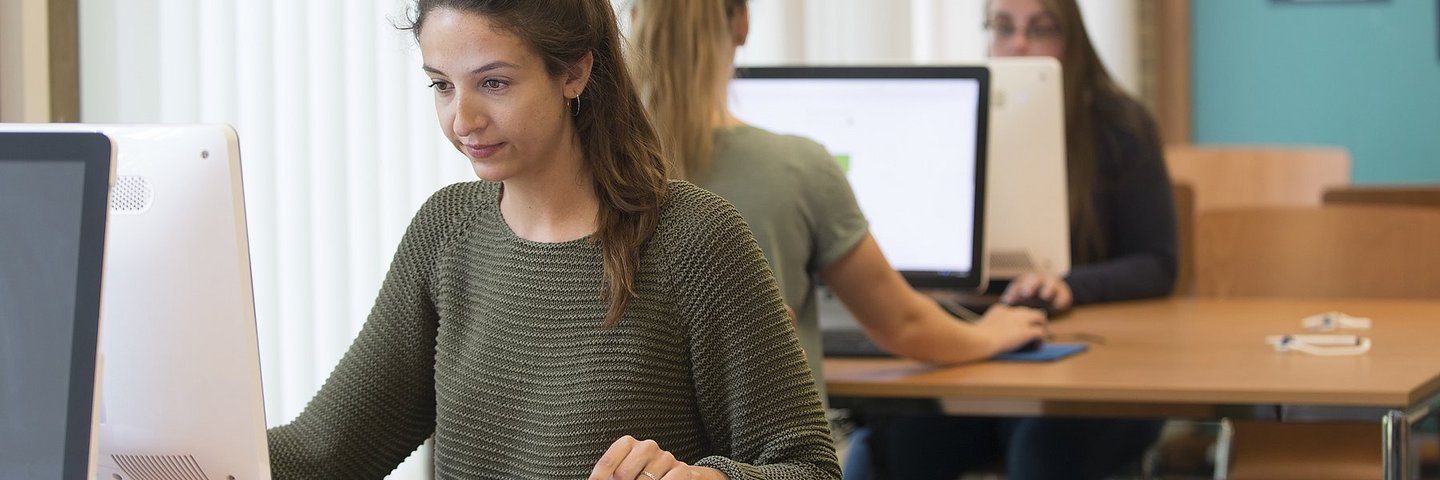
pixel 974 279
pixel 96 152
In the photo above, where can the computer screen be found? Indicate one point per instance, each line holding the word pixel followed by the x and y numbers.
pixel 1027 201
pixel 180 395
pixel 53 193
pixel 911 141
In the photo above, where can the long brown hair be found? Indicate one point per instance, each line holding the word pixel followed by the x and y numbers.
pixel 620 144
pixel 680 53
pixel 1093 103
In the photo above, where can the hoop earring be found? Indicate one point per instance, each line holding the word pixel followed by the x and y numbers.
pixel 574 106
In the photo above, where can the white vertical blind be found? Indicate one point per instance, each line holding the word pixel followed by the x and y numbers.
pixel 1114 27
pixel 947 31
pixel 914 31
pixel 339 135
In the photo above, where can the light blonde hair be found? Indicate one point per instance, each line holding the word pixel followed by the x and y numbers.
pixel 682 58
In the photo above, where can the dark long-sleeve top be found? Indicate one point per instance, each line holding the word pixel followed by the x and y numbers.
pixel 496 345
pixel 1135 207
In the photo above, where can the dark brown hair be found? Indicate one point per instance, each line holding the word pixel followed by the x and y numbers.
pixel 620 144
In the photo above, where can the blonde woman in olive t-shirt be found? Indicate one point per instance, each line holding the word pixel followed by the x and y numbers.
pixel 791 192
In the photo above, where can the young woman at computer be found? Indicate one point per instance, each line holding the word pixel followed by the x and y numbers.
pixel 1122 214
pixel 541 320
pixel 1123 246
pixel 791 192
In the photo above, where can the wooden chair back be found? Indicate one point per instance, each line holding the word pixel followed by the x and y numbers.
pixel 1318 252
pixel 1234 177
pixel 1185 236
pixel 1400 195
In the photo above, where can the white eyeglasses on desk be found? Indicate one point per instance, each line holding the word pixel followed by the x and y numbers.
pixel 1330 321
pixel 1329 345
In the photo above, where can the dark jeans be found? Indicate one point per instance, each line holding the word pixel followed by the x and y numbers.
pixel 941 447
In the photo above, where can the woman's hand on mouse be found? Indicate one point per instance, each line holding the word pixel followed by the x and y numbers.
pixel 1049 288
pixel 1010 327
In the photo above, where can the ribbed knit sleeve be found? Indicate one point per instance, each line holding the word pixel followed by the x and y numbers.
pixel 378 404
pixel 757 400
pixel 497 345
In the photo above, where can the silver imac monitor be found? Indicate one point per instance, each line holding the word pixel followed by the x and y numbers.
pixel 54 189
pixel 180 395
pixel 1027 202
pixel 912 142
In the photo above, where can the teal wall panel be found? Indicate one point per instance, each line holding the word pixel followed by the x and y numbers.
pixel 1365 76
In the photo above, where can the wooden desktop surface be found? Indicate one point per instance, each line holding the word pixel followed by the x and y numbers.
pixel 1188 352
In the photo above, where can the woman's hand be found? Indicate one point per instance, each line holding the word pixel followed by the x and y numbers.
pixel 1009 327
pixel 1031 286
pixel 631 459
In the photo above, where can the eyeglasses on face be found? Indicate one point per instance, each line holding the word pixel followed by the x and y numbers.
pixel 1033 32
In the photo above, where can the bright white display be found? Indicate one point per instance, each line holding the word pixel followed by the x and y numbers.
pixel 908 146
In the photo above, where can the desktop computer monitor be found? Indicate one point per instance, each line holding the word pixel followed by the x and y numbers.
pixel 912 141
pixel 53 193
pixel 1027 202
pixel 180 395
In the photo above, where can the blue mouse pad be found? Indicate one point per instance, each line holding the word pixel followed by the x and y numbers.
pixel 1047 353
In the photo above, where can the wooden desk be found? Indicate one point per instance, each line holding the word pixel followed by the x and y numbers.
pixel 1195 358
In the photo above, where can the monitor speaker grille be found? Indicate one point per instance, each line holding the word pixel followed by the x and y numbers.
pixel 132 194
pixel 159 467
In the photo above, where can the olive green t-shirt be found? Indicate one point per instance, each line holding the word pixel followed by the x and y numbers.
pixel 798 203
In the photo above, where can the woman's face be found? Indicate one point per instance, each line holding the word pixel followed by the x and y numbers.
pixel 496 102
pixel 1023 28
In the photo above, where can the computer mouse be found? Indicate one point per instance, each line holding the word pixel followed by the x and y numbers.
pixel 1030 346
pixel 1032 302
pixel 1039 304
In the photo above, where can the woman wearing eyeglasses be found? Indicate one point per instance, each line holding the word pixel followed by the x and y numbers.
pixel 1123 246
pixel 1122 215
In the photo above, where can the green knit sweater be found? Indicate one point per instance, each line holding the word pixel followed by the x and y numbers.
pixel 495 345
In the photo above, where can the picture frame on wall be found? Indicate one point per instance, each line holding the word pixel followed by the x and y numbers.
pixel 1322 2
